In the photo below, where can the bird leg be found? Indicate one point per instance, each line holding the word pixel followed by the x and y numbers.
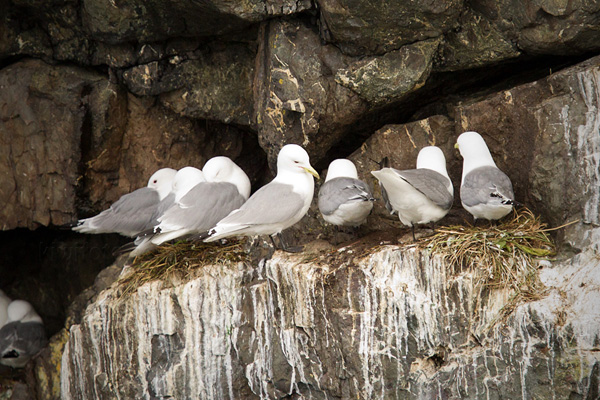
pixel 413 233
pixel 285 247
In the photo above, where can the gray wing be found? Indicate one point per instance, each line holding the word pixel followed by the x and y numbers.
pixel 486 185
pixel 205 205
pixel 18 339
pixel 431 183
pixel 162 207
pixel 338 191
pixel 129 215
pixel 271 204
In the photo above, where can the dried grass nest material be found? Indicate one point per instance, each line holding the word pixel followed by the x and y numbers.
pixel 506 255
pixel 179 260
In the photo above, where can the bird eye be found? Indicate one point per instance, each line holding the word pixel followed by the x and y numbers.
pixel 296 162
pixel 154 181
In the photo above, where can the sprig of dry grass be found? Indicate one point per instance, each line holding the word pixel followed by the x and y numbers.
pixel 499 256
pixel 179 259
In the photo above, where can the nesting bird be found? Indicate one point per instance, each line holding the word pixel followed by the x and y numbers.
pixel 421 195
pixel 134 212
pixel 199 205
pixel 344 199
pixel 22 336
pixel 277 205
pixel 485 191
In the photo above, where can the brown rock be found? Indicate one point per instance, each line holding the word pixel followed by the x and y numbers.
pixel 154 137
pixel 42 110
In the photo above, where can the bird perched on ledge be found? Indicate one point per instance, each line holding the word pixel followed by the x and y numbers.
pixel 277 205
pixel 225 187
pixel 421 195
pixel 485 191
pixel 343 198
pixel 134 212
pixel 23 335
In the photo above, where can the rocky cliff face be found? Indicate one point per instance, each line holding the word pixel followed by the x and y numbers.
pixel 95 96
pixel 393 324
pixel 376 320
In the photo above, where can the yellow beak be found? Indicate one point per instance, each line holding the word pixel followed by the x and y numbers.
pixel 312 171
pixel 456 145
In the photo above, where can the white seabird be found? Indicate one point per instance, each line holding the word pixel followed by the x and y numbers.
pixel 343 198
pixel 197 209
pixel 485 191
pixel 185 179
pixel 422 195
pixel 134 212
pixel 23 335
pixel 277 205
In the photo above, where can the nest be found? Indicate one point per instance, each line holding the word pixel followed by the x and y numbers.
pixel 506 255
pixel 179 260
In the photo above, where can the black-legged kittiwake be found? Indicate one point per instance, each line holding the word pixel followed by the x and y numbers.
pixel 134 212
pixel 422 195
pixel 277 205
pixel 226 188
pixel 23 335
pixel 485 191
pixel 343 198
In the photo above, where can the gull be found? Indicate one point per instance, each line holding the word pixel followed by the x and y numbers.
pixel 344 199
pixel 276 206
pixel 485 191
pixel 197 209
pixel 422 195
pixel 23 335
pixel 134 212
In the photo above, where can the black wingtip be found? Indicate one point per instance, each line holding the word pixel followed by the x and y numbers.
pixel 148 232
pixel 201 236
pixel 69 225
pixel 384 163
pixel 126 248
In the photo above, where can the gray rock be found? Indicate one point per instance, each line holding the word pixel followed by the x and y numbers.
pixel 389 78
pixel 392 323
pixel 544 136
pixel 477 42
pixel 297 98
pixel 140 21
pixel 215 85
pixel 371 27
pixel 545 27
